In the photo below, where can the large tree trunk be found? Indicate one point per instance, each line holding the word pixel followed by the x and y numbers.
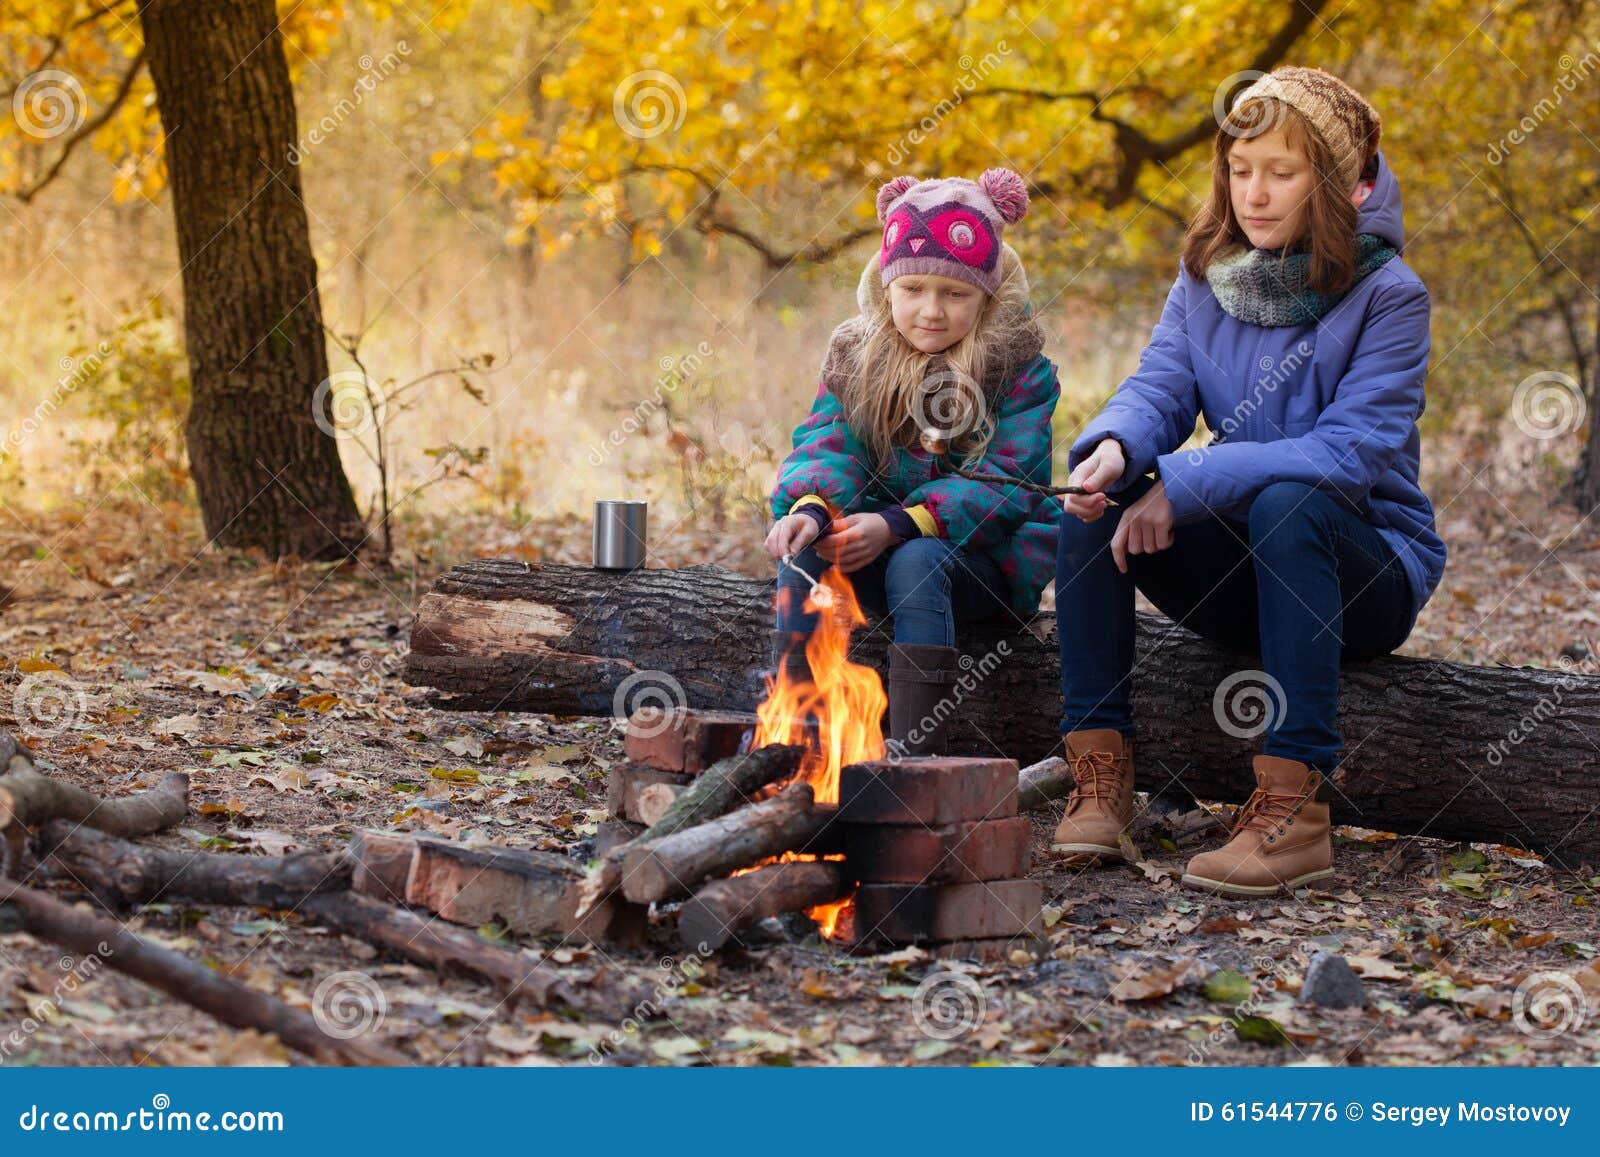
pixel 266 474
pixel 1434 748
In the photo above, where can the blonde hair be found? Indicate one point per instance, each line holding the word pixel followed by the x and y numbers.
pixel 891 389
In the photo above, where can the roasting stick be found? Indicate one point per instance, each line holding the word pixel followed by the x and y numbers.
pixel 936 441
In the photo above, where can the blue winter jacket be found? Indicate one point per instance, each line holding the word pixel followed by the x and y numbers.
pixel 1333 404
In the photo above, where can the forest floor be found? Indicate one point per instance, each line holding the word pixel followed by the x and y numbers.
pixel 276 687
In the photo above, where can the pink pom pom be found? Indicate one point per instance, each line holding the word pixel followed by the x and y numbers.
pixel 1008 191
pixel 887 194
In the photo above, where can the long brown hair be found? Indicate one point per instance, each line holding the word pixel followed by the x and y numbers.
pixel 887 379
pixel 1330 226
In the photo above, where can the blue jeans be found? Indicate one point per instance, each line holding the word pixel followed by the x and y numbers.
pixel 1309 582
pixel 926 584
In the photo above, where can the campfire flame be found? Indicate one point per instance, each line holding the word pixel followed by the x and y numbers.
pixel 846 700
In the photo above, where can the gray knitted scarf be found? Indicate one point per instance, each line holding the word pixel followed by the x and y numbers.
pixel 1260 287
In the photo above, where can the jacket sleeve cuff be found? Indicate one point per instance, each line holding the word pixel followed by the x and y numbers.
pixel 901 524
pixel 1178 482
pixel 817 510
pixel 1137 462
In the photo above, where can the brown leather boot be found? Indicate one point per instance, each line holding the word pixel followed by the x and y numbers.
pixel 1101 804
pixel 1280 839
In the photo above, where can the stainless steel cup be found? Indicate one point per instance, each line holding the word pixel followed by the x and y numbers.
pixel 619 533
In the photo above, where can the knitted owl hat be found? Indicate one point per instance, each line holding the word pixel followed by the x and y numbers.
pixel 950 226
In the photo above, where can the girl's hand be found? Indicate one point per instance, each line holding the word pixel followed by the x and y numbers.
pixel 1146 527
pixel 791 534
pixel 1100 469
pixel 857 539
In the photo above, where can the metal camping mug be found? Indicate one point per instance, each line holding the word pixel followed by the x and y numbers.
pixel 619 530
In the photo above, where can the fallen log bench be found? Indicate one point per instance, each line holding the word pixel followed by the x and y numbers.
pixel 1499 754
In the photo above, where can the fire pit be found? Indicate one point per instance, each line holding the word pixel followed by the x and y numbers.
pixel 879 852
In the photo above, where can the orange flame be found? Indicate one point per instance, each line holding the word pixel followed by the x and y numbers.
pixel 845 699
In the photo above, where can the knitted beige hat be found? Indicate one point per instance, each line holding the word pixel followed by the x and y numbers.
pixel 1338 113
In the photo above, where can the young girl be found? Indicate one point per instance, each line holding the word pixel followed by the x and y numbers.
pixel 1300 531
pixel 945 339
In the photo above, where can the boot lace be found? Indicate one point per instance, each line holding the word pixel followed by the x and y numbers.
pixel 1269 811
pixel 1095 776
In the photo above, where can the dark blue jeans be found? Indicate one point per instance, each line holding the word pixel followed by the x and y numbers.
pixel 1307 583
pixel 926 585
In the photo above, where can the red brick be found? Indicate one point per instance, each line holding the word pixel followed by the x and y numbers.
pixel 928 790
pixel 688 740
pixel 624 783
pixel 952 854
pixel 917 913
pixel 382 865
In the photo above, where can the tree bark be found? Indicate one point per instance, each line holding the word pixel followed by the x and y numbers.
pixel 119 872
pixel 29 799
pixel 453 951
pixel 1508 755
pixel 265 474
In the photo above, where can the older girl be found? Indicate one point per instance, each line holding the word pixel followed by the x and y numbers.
pixel 1300 531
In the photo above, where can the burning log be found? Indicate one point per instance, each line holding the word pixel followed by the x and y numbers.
pixel 666 868
pixel 26 910
pixel 723 786
pixel 496 634
pixel 724 908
